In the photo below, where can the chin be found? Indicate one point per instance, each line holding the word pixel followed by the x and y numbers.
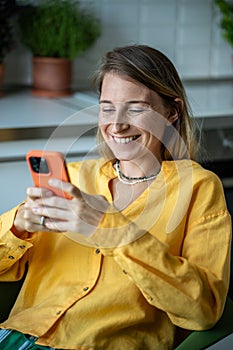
pixel 126 156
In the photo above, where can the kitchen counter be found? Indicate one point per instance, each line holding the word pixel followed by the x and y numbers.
pixel 212 102
pixel 19 109
pixel 28 122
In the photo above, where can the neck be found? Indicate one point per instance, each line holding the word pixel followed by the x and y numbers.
pixel 140 169
pixel 133 180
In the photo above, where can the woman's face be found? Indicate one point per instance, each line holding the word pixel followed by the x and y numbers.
pixel 132 118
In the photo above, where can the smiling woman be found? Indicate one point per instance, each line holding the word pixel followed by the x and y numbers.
pixel 156 83
pixel 132 121
pixel 143 247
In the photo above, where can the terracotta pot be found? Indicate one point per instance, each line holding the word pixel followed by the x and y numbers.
pixel 2 69
pixel 51 77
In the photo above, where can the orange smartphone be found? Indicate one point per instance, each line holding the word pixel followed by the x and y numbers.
pixel 44 165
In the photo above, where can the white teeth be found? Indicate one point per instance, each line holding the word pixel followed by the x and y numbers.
pixel 124 139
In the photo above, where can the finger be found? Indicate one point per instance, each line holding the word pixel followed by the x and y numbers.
pixel 37 192
pixel 95 202
pixel 66 187
pixel 53 213
pixel 80 227
pixel 32 226
pixel 32 222
pixel 54 201
pixel 57 225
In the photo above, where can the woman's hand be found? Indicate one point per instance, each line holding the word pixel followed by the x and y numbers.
pixel 80 214
pixel 25 219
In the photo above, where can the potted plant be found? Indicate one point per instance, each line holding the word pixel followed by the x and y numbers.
pixel 6 37
pixel 56 32
pixel 226 22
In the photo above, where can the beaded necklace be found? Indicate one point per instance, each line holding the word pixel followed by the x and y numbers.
pixel 132 180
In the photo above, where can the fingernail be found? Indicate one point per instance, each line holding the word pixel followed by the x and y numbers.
pixel 48 194
pixel 35 210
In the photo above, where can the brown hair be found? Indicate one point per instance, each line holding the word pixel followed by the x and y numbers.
pixel 153 69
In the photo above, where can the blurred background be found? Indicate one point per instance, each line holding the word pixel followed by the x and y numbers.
pixel 189 32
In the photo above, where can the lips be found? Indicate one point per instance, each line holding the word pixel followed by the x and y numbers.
pixel 125 140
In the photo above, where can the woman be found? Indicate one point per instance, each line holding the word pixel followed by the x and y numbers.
pixel 143 246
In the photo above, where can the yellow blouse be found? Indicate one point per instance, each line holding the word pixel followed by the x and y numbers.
pixel 160 263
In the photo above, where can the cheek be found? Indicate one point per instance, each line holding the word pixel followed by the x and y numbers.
pixel 152 127
pixel 103 124
pixel 103 131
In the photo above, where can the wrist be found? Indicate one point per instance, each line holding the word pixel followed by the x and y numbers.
pixel 17 229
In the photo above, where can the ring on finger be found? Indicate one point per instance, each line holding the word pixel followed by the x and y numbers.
pixel 42 221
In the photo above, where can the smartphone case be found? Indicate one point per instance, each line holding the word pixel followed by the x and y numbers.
pixel 56 169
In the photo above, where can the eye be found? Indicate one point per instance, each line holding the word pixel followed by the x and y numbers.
pixel 107 109
pixel 138 110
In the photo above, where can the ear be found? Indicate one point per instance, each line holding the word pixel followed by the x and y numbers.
pixel 175 110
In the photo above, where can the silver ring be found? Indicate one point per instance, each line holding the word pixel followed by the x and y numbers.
pixel 42 221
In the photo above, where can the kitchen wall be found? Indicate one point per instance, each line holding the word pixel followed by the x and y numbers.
pixel 185 30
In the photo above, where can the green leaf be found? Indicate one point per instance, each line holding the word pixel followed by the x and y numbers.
pixel 58 28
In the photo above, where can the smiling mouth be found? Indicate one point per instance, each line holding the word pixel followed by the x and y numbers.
pixel 125 140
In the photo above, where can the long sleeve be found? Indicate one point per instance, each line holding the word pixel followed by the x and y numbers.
pixel 13 250
pixel 191 293
pixel 186 274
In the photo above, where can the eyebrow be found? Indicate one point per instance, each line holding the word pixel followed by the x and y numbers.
pixel 128 102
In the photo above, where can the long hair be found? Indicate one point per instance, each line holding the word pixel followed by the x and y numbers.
pixel 154 70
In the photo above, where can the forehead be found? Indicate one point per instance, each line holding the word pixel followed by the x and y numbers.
pixel 120 88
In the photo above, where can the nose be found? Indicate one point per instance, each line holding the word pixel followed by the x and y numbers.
pixel 117 128
pixel 119 122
